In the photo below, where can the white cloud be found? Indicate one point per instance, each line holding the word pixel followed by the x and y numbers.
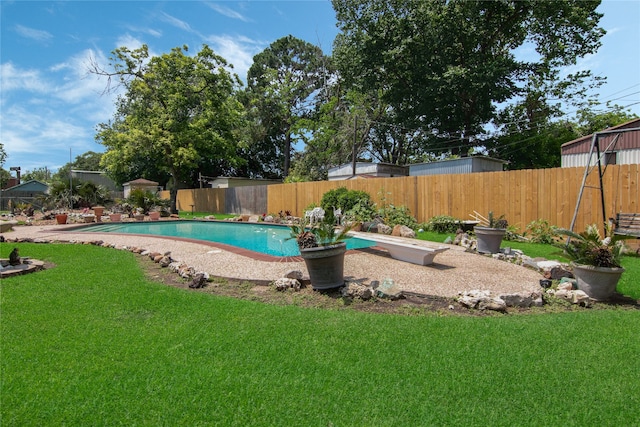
pixel 228 12
pixel 238 51
pixel 129 42
pixel 149 31
pixel 176 22
pixel 13 78
pixel 31 135
pixel 33 34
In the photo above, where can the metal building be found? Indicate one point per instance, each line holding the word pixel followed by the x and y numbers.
pixel 625 150
pixel 461 165
pixel 366 170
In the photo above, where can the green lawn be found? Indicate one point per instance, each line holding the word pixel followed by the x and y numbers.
pixel 196 215
pixel 92 342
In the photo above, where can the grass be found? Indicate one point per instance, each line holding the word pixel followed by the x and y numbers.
pixel 192 215
pixel 93 342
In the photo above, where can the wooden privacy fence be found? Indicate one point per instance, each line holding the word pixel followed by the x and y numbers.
pixel 238 200
pixel 522 196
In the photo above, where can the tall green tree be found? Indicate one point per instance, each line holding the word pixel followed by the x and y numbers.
pixel 444 66
pixel 42 174
pixel 177 110
pixel 281 85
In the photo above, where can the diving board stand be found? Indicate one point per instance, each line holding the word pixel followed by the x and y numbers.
pixel 403 249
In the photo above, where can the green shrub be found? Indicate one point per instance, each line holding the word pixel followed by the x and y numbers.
pixel 442 224
pixel 346 200
pixel 540 231
pixel 397 215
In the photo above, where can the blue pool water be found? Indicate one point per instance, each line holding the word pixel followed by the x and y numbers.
pixel 268 239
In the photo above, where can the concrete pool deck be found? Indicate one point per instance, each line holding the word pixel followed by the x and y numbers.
pixel 452 272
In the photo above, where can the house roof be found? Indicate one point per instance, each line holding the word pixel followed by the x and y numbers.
pixel 23 186
pixel 627 125
pixel 141 181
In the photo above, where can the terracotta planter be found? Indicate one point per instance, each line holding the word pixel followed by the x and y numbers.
pixel 98 211
pixel 89 218
pixel 597 282
pixel 325 265
pixel 61 218
pixel 154 216
pixel 489 239
pixel 115 217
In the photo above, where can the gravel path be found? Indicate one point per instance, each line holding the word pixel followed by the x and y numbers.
pixel 453 271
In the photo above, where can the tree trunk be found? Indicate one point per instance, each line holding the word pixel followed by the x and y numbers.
pixel 287 154
pixel 173 191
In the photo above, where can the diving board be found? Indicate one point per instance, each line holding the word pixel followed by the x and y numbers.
pixel 413 251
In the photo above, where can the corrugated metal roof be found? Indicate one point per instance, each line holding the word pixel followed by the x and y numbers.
pixel 626 141
pixel 455 166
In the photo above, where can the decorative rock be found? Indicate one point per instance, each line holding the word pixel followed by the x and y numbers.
pixel 269 218
pixel 517 300
pixel 153 255
pixel 357 290
pixel 174 266
pixel 157 258
pixel 403 231
pixel 384 229
pixel 294 274
pixel 285 283
pixel 14 257
pixel 186 272
pixel 557 273
pixel 482 300
pixel 165 261
pixel 565 286
pixel 388 289
pixel 580 297
pixel 199 281
pixel 547 265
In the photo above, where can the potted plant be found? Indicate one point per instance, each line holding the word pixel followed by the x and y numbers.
pixel 490 236
pixel 595 260
pixel 322 247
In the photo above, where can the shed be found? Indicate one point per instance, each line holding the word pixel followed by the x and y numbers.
pixel 27 192
pixel 140 183
pixel 462 165
pixel 233 182
pixel 626 150
pixel 366 169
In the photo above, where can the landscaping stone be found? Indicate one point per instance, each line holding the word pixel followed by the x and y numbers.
pixel 403 231
pixel 285 283
pixel 357 290
pixel 384 229
pixel 481 300
pixel 558 273
pixel 294 274
pixel 199 281
pixel 388 289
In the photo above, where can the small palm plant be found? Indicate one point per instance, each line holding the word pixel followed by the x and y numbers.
pixel 589 248
pixel 324 233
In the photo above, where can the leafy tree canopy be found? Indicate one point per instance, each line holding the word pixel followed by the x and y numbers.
pixel 178 110
pixel 444 66
pixel 281 84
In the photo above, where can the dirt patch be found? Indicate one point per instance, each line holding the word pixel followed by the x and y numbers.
pixel 410 304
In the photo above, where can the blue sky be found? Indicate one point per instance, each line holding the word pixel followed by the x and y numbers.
pixel 50 106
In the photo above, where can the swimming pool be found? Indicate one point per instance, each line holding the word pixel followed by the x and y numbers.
pixel 267 239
